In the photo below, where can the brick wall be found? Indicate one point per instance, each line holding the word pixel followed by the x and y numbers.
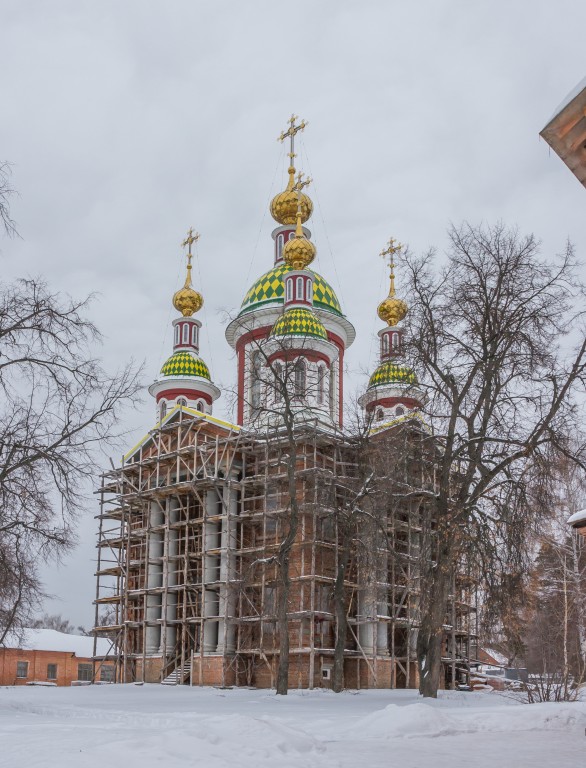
pixel 38 661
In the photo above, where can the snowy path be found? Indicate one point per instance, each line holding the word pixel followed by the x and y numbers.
pixel 147 726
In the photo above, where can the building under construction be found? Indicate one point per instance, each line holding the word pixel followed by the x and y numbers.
pixel 189 526
pixel 191 573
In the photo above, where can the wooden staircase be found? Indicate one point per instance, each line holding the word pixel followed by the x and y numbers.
pixel 179 675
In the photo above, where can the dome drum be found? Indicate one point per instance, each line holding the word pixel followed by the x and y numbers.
pixel 391 342
pixel 299 288
pixel 190 389
pixel 186 334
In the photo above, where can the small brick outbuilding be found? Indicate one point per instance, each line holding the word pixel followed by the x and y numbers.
pixel 51 657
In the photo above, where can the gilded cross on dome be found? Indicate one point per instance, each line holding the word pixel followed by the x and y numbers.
pixel 290 132
pixel 393 247
pixel 392 310
pixel 301 182
pixel 188 242
pixel 187 300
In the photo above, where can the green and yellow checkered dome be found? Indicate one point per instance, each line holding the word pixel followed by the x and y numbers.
pixel 299 322
pixel 391 373
pixel 270 289
pixel 185 364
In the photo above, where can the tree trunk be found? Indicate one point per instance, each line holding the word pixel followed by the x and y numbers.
pixel 341 615
pixel 283 625
pixel 435 589
pixel 283 560
pixel 580 600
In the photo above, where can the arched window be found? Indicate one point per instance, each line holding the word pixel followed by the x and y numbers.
pixel 280 243
pixel 380 414
pixel 333 391
pixel 399 411
pixel 177 334
pixel 385 344
pixel 395 340
pixel 309 290
pixel 200 406
pixel 163 409
pixel 279 383
pixel 290 289
pixel 194 335
pixel 182 402
pixel 299 377
pixel 299 291
pixel 321 376
pixel 255 379
pixel 185 333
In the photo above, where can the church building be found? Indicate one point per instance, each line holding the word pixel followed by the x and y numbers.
pixel 208 527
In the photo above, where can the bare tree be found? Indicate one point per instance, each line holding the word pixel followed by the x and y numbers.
pixel 59 408
pixel 486 331
pixel 6 192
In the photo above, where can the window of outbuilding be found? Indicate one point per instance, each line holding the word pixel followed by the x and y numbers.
pixel 85 672
pixel 107 674
pixel 51 671
pixel 22 669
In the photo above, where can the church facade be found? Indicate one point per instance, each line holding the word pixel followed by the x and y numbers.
pixel 207 528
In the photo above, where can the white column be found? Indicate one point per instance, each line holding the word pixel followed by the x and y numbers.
pixel 154 579
pixel 382 638
pixel 367 603
pixel 226 631
pixel 210 596
pixel 168 641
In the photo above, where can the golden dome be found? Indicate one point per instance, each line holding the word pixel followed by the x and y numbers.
pixel 392 310
pixel 284 205
pixel 187 300
pixel 299 252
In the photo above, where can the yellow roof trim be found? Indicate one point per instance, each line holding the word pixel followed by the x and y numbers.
pixel 393 423
pixel 193 412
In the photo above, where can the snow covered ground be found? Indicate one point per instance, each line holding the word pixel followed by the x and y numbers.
pixel 151 725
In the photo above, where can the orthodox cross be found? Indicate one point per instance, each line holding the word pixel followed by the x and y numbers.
pixel 188 242
pixel 301 183
pixel 291 131
pixel 392 248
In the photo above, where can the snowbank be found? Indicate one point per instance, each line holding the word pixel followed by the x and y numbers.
pixel 426 721
pixel 151 725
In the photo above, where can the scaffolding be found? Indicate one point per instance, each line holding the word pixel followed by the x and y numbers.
pixel 189 528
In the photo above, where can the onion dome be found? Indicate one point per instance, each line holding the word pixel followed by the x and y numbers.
pixel 185 364
pixel 299 322
pixel 391 373
pixel 187 300
pixel 269 290
pixel 391 311
pixel 284 205
pixel 299 252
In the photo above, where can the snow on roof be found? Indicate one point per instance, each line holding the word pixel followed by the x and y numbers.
pixel 578 517
pixel 498 657
pixel 51 640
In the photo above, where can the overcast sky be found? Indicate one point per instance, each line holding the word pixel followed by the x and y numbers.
pixel 127 122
